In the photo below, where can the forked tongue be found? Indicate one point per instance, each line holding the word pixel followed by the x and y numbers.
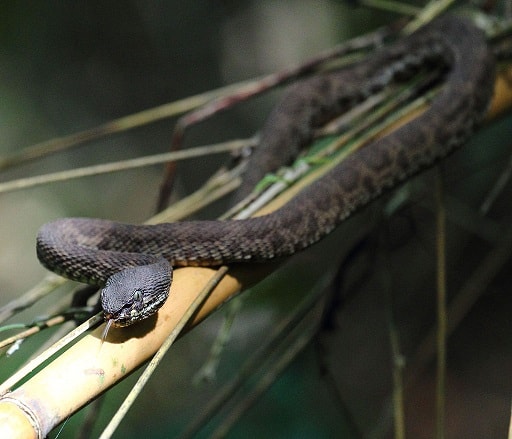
pixel 105 331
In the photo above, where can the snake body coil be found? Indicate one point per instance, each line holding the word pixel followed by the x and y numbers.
pixel 132 261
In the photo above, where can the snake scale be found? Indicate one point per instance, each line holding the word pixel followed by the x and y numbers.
pixel 133 262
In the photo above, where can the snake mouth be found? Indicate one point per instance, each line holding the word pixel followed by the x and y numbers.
pixel 117 320
pixel 127 315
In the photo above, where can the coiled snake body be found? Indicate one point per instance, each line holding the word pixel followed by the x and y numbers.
pixel 131 262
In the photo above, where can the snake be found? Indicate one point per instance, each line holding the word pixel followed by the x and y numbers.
pixel 132 264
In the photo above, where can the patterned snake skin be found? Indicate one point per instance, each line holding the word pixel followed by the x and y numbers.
pixel 132 261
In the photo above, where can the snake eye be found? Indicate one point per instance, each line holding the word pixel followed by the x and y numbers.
pixel 137 301
pixel 137 297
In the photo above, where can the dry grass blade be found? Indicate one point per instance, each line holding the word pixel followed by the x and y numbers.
pixel 124 165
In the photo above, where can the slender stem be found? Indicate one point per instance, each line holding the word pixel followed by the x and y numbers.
pixel 441 307
pixel 393 6
pixel 510 426
pixel 398 384
pixel 40 359
pixel 104 168
pixel 115 126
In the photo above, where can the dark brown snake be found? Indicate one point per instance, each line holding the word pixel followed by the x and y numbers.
pixel 133 262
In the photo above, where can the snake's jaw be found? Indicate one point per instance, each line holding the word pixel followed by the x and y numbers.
pixel 136 293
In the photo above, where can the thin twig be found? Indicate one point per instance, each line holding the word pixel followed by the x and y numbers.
pixel 32 330
pixel 441 307
pixel 30 366
pixel 510 425
pixel 497 188
pixel 393 6
pixel 215 188
pixel 42 323
pixel 208 371
pixel 117 125
pixel 398 384
pixel 123 165
pixel 427 14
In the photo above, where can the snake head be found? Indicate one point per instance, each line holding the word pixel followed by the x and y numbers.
pixel 136 293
